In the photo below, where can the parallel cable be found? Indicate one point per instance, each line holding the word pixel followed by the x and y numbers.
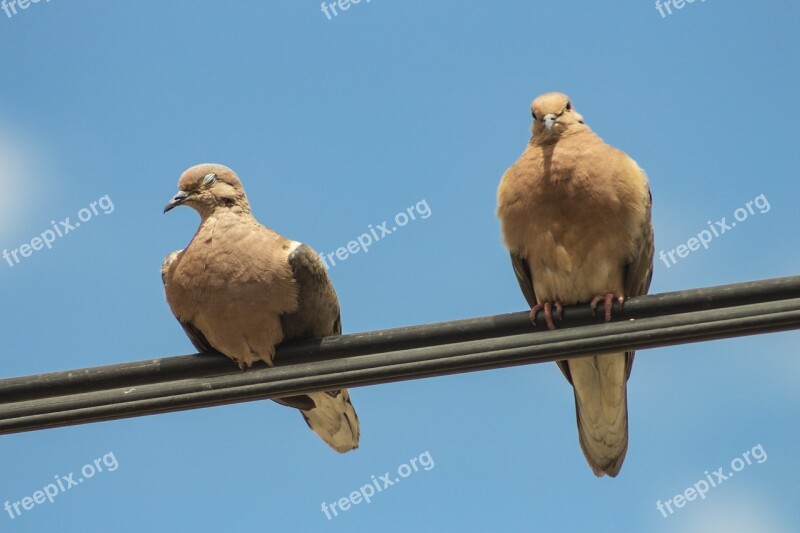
pixel 189 382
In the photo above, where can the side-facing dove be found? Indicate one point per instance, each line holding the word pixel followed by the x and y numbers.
pixel 241 289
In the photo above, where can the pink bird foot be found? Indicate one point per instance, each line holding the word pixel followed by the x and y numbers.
pixel 548 313
pixel 608 303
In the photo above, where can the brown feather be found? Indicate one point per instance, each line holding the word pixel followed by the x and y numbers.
pixel 240 289
pixel 575 216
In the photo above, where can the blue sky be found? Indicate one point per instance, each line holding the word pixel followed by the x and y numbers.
pixel 338 124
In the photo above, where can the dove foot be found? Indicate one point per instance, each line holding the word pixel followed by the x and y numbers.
pixel 608 303
pixel 547 307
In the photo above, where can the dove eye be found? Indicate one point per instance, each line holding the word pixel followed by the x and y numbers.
pixel 209 179
pixel 533 115
pixel 569 106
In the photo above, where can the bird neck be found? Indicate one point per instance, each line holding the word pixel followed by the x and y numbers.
pixel 573 130
pixel 241 211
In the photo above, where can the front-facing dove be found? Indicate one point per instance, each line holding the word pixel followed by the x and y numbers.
pixel 575 217
pixel 241 289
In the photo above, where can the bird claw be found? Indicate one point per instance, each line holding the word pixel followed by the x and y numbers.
pixel 547 307
pixel 608 303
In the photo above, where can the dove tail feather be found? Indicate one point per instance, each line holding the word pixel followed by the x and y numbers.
pixel 334 419
pixel 602 411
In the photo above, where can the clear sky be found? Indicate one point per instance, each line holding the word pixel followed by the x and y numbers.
pixel 338 122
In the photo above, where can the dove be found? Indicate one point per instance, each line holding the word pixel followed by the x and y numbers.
pixel 240 289
pixel 575 217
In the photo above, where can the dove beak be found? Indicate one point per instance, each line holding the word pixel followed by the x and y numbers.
pixel 177 200
pixel 549 120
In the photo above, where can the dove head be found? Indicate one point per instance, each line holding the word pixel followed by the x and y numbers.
pixel 208 188
pixel 553 115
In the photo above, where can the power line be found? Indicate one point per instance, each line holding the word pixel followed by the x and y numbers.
pixel 188 382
